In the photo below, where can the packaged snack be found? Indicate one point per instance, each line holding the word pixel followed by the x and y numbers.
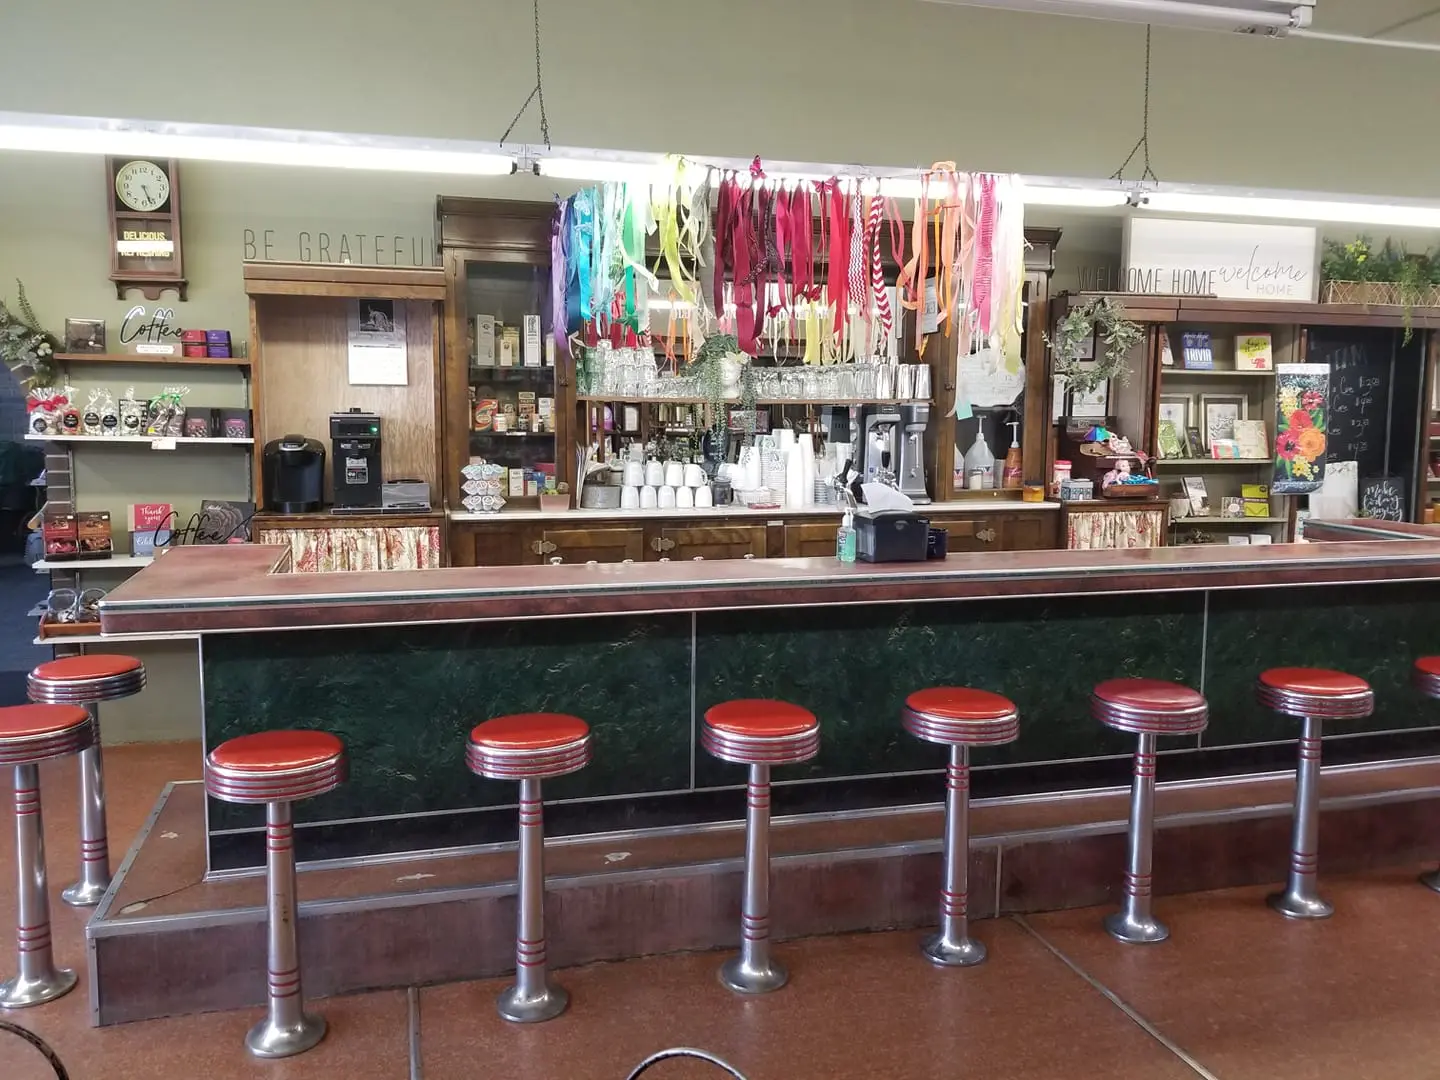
pixel 109 415
pixel 44 406
pixel 90 418
pixel 132 414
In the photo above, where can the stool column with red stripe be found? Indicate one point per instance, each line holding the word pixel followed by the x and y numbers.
pixel 1148 708
pixel 958 718
pixel 1311 695
pixel 1426 676
pixel 276 768
pixel 87 681
pixel 760 734
pixel 30 734
pixel 530 747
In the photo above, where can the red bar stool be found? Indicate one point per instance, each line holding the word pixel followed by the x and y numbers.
pixel 1426 677
pixel 276 768
pixel 958 718
pixel 87 681
pixel 1311 695
pixel 760 734
pixel 530 747
pixel 30 734
pixel 1148 708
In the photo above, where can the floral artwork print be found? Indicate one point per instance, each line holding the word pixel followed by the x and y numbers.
pixel 1302 407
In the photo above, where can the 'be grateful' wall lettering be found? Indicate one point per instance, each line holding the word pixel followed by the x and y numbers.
pixel 320 246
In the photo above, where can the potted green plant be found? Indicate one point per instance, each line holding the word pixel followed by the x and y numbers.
pixel 1358 272
pixel 28 350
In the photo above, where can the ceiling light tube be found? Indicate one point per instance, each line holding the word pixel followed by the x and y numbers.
pixel 599 170
pixel 1396 215
pixel 253 146
pixel 1097 198
pixel 1267 17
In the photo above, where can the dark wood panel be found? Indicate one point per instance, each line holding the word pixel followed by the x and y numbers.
pixel 593 545
pixel 708 542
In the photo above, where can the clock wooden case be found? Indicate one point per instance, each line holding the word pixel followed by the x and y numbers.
pixel 145 241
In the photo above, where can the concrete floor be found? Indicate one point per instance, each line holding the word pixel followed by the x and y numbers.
pixel 1236 994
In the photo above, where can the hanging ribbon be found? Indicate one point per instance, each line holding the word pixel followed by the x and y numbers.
pixel 559 276
pixel 838 279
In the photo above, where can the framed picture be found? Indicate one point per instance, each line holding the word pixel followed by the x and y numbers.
pixel 1218 413
pixel 1094 405
pixel 84 335
pixel 1199 497
pixel 1178 409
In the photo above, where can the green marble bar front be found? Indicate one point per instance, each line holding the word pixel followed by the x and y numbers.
pixel 403 698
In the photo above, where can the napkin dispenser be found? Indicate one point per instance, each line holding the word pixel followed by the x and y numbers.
pixel 883 536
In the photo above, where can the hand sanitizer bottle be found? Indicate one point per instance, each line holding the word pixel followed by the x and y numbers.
pixel 845 538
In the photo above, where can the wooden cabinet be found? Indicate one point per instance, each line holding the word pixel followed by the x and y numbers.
pixel 600 544
pixel 1034 531
pixel 810 539
pixel 681 541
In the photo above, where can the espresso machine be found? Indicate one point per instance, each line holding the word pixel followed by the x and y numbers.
pixel 355 445
pixel 879 449
pixel 913 421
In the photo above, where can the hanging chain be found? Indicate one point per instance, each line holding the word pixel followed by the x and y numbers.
pixel 538 92
pixel 1144 143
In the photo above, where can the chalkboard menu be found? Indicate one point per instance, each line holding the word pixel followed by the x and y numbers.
pixel 1361 373
pixel 1383 498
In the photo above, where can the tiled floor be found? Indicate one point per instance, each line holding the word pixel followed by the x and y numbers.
pixel 1238 992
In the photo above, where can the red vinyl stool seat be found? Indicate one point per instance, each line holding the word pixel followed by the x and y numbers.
pixel 88 680
pixel 30 734
pixel 1312 695
pixel 1148 708
pixel 276 768
pixel 530 747
pixel 1426 678
pixel 958 717
pixel 760 733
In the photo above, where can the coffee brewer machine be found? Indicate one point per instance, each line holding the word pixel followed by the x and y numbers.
pixel 355 449
pixel 914 419
pixel 879 449
pixel 293 472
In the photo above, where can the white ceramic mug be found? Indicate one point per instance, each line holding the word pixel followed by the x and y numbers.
pixel 667 498
pixel 630 497
pixel 674 474
pixel 684 498
pixel 694 476
pixel 634 473
pixel 654 473
pixel 703 497
pixel 647 497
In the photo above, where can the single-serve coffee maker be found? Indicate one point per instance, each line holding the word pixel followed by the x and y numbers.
pixel 879 450
pixel 913 421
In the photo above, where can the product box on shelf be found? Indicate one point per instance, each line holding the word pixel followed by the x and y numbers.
pixel 516 483
pixel 61 536
pixel 200 423
pixel 484 340
pixel 485 409
pixel 234 424
pixel 150 527
pixel 92 531
pixel 531 350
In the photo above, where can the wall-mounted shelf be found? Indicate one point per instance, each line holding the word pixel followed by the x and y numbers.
pixel 115 562
pixel 152 358
pixel 1195 462
pixel 153 442
pixel 1179 522
pixel 1215 373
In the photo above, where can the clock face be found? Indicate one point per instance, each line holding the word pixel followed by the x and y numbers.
pixel 142 185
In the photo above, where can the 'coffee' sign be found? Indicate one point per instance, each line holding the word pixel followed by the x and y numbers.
pixel 150 334
pixel 1221 258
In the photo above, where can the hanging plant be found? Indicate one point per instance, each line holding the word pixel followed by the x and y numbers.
pixel 28 351
pixel 708 367
pixel 1117 334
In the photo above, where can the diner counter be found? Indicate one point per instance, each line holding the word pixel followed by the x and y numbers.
pixel 248 587
pixel 705 513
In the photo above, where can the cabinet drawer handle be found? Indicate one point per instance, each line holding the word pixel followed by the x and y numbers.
pixel 542 547
pixel 698 558
pixel 986 536
pixel 661 543
pixel 750 555
pixel 556 561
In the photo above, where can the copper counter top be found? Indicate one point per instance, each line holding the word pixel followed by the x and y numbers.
pixel 248 587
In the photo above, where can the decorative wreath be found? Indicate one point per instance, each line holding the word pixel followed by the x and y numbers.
pixel 1118 334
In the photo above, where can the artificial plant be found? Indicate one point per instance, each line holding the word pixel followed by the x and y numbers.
pixel 1118 335
pixel 28 350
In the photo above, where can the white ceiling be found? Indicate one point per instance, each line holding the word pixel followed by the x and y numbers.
pixel 1415 20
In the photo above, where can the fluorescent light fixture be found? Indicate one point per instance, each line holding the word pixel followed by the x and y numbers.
pixel 246 145
pixel 1414 215
pixel 1274 18
pixel 599 170
pixel 1073 196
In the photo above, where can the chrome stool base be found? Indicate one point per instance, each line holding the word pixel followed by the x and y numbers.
pixel 1136 930
pixel 1431 880
pixel 268 1039
pixel 85 893
pixel 1294 906
pixel 521 1008
pixel 21 992
pixel 743 978
pixel 967 952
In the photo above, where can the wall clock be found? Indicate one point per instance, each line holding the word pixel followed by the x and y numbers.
pixel 144 213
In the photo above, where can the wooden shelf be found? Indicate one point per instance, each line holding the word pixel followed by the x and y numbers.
pixel 761 402
pixel 1198 461
pixel 1214 373
pixel 148 358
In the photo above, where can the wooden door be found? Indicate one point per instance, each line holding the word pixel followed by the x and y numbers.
pixel 971 533
pixel 1033 531
pixel 810 540
pixel 707 542
pixel 614 544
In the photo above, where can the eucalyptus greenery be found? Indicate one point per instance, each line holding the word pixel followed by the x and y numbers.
pixel 28 351
pixel 1414 274
pixel 1117 334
